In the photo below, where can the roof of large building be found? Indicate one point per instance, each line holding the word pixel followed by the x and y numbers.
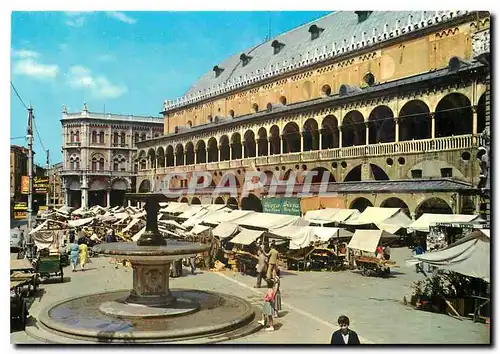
pixel 337 29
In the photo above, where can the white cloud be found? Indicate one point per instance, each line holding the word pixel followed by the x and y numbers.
pixel 100 87
pixel 107 58
pixel 25 53
pixel 76 18
pixel 120 16
pixel 30 67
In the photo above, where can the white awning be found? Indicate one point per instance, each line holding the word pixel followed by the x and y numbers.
pixel 302 236
pixel 192 210
pixel 396 222
pixel 271 221
pixel 469 256
pixel 43 226
pixel 80 222
pixel 139 234
pixel 246 236
pixel 373 215
pixel 321 215
pixel 234 215
pixel 367 240
pixel 424 222
pixel 486 232
pixel 171 222
pixel 131 224
pixel 175 207
pixel 225 230
pixel 198 229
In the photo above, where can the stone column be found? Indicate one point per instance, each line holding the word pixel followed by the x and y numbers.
pixel 219 152
pixel 85 193
pixel 108 197
pixel 396 132
pixel 165 163
pixel 269 148
pixel 340 136
pixel 367 137
pixel 302 142
pixel 66 197
pixel 474 124
pixel 433 125
pixel 175 159
pixel 206 155
pixel 320 146
pixel 230 151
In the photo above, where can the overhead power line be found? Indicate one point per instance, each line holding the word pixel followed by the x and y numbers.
pixel 18 96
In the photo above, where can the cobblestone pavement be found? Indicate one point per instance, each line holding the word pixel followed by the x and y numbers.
pixel 312 301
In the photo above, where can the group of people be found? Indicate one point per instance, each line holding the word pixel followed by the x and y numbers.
pixel 78 251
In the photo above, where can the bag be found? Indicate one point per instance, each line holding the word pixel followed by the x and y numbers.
pixel 269 298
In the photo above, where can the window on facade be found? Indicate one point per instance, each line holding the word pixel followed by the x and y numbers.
pixel 157 135
pixel 143 136
pixel 123 139
pixel 71 164
pixel 217 70
pixel 101 164
pixel 115 165
pixel 77 136
pixel 369 79
pixel 447 172
pixel 277 46
pixel 136 138
pixel 245 59
pixel 315 31
pixel 115 139
pixel 94 137
pixel 416 173
pixel 101 137
pixel 71 136
pixel 143 164
pixel 94 164
pixel 77 163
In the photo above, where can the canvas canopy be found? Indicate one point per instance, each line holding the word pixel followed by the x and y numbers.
pixel 270 221
pixel 139 234
pixel 330 215
pixel 395 223
pixel 175 208
pixel 234 215
pixel 246 236
pixel 131 224
pixel 225 230
pixel 469 256
pixel 172 223
pixel 424 222
pixel 193 210
pixel 46 224
pixel 486 232
pixel 302 236
pixel 80 222
pixel 367 240
pixel 198 229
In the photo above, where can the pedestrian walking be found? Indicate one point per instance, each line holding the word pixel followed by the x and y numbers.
pixel 344 335
pixel 83 252
pixel 73 252
pixel 387 253
pixel 267 307
pixel 417 251
pixel 272 260
pixel 261 267
pixel 277 293
pixel 192 262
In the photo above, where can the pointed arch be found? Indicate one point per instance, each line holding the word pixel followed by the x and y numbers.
pixel 236 146
pixel 190 153
pixel 275 140
pixel 225 149
pixel 262 143
pixel 291 138
pixel 201 152
pixel 213 151
pixel 179 155
pixel 249 137
pixel 330 132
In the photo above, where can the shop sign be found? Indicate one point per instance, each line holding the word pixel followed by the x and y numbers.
pixel 25 184
pixel 41 185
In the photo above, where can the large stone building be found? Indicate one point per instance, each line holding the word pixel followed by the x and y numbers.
pixel 18 168
pixel 56 197
pixel 388 105
pixel 98 154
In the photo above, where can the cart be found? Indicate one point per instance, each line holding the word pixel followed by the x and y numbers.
pixel 374 266
pixel 49 264
pixel 23 270
pixel 325 258
pixel 18 303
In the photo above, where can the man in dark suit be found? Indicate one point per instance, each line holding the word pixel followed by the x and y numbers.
pixel 344 335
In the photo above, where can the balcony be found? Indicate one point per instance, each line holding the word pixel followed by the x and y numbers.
pixel 70 144
pixel 90 172
pixel 119 145
pixel 374 150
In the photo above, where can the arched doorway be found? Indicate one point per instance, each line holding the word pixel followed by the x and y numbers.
pixel 353 175
pixel 378 173
pixel 249 138
pixel 361 204
pixel 453 116
pixel 117 193
pixel 213 151
pixel 251 203
pixel 236 146
pixel 232 203
pixel 275 140
pixel 195 201
pixel 201 152
pixel 224 147
pixel 353 129
pixel 184 200
pixel 310 135
pixel 414 121
pixel 291 138
pixel 145 186
pixel 151 158
pixel 97 192
pixel 179 155
pixel 481 114
pixel 160 157
pixel 190 153
pixel 434 206
pixel 219 200
pixel 330 132
pixel 323 175
pixel 381 125
pixel 396 203
pixel 170 156
pixel 263 144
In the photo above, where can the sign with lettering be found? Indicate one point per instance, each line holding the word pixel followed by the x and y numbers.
pixel 18 215
pixel 291 206
pixel 25 184
pixel 21 206
pixel 271 205
pixel 41 185
pixel 286 206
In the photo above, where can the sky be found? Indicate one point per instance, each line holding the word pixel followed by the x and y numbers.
pixel 121 62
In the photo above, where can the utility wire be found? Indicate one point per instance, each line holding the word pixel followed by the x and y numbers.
pixel 18 137
pixel 18 96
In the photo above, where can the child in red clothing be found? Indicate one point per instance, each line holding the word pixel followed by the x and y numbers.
pixel 268 306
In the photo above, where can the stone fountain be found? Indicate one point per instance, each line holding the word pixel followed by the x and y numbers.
pixel 151 311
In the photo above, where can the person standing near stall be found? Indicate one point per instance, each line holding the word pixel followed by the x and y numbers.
pixel 272 260
pixel 261 267
pixel 73 252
